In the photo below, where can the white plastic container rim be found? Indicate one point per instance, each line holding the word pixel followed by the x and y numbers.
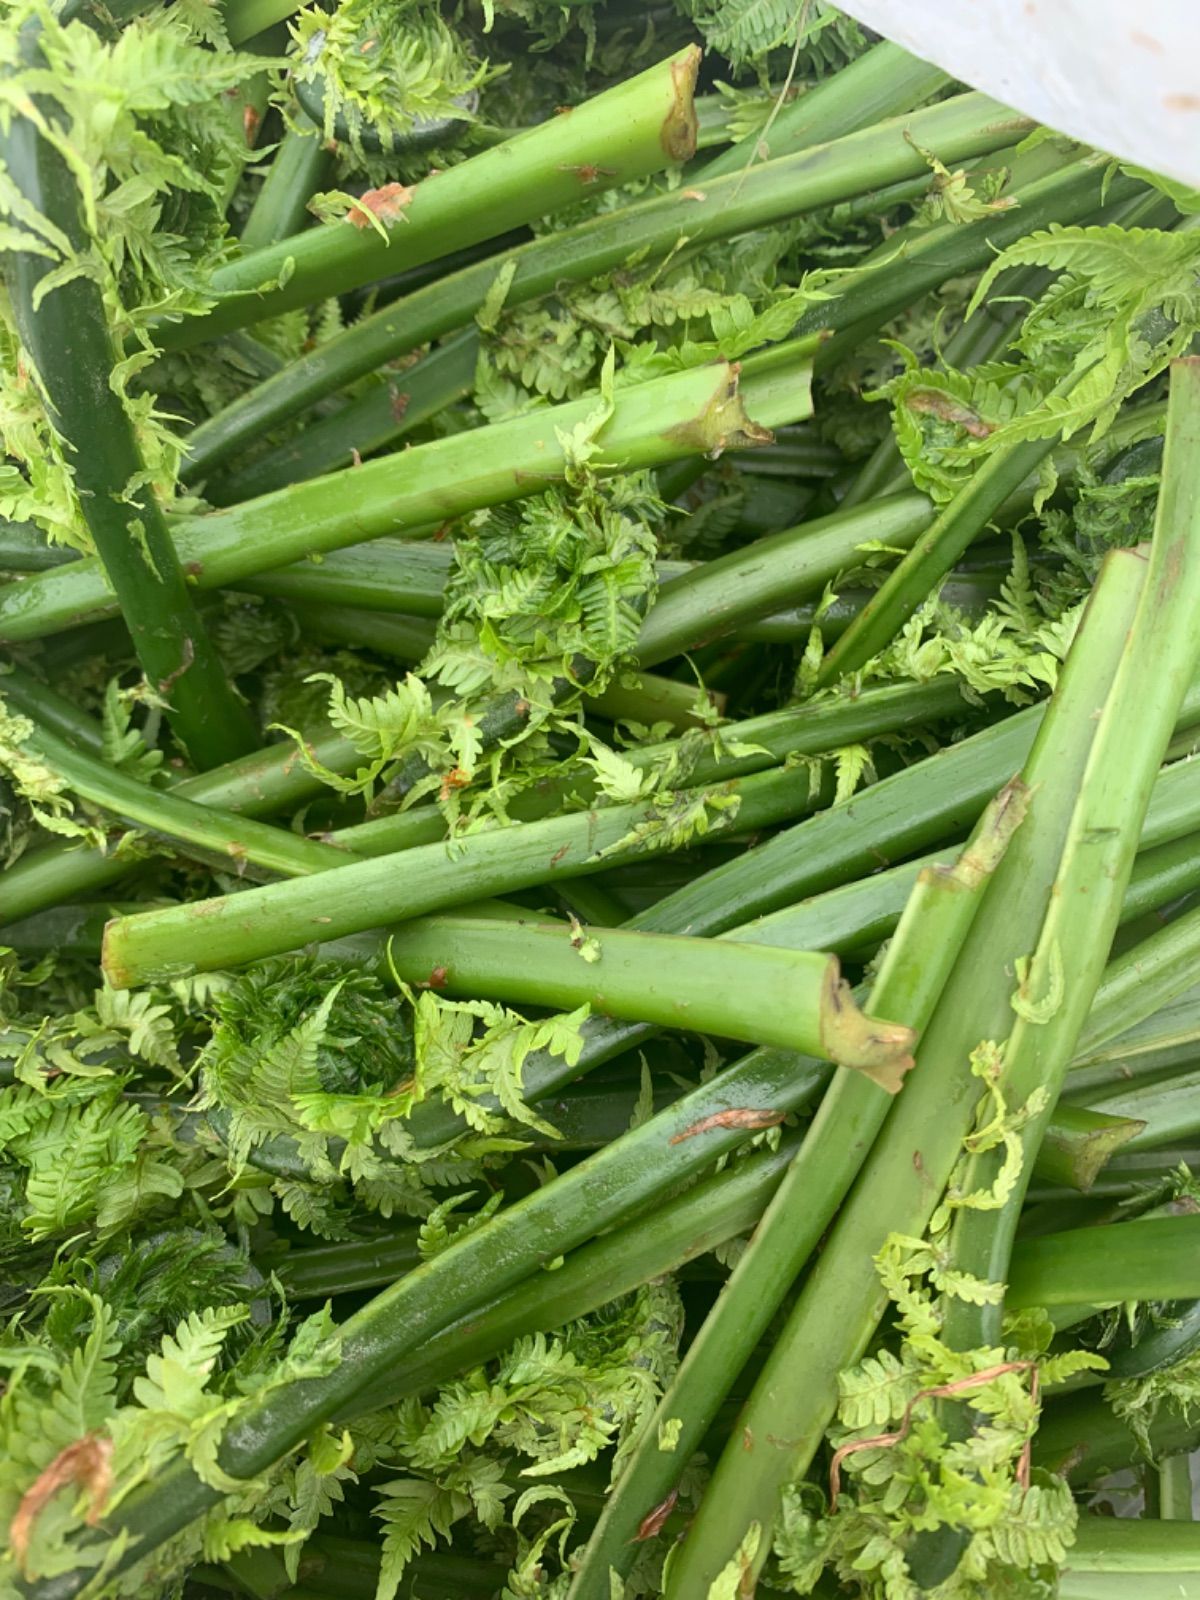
pixel 1125 78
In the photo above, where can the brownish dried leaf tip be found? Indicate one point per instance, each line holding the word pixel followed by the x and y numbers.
pixel 88 1465
pixel 735 1117
pixel 387 204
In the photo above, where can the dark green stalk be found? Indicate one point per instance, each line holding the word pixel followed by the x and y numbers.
pixel 919 573
pixel 942 906
pixel 841 1302
pixel 298 169
pixel 882 83
pixel 67 338
pixel 25 548
pixel 705 409
pixel 377 1341
pixel 1143 980
pixel 246 19
pixel 407 639
pixel 1158 1259
pixel 637 128
pixel 1167 1107
pixel 662 1240
pixel 1083 1438
pixel 792 999
pixel 650 229
pixel 393 407
pixel 718 596
pixel 1078 1143
pixel 1157 663
pixel 182 822
pixel 233 929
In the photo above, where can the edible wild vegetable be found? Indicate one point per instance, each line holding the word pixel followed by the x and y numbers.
pixel 600 1004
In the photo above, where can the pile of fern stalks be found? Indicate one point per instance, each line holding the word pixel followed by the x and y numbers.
pixel 600 919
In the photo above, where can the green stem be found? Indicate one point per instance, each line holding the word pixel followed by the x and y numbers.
pixel 920 959
pixel 298 169
pixel 1143 980
pixel 1082 1438
pixel 233 929
pixel 1158 1259
pixel 376 1342
pixel 918 574
pixel 1167 1107
pixel 792 999
pixel 841 1302
pixel 662 1240
pixel 246 19
pixel 716 597
pixel 1157 663
pixel 707 408
pixel 389 410
pixel 884 82
pixel 213 833
pixel 637 128
pixel 68 341
pixel 649 229
pixel 1079 1142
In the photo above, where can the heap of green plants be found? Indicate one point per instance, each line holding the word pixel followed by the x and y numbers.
pixel 598 839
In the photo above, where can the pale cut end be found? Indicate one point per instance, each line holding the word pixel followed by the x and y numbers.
pixel 993 833
pixel 681 127
pixel 721 423
pixel 881 1050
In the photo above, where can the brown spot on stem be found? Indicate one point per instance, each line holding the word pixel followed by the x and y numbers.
pixel 1182 102
pixel 745 1117
pixel 165 685
pixel 1146 41
pixel 653 1521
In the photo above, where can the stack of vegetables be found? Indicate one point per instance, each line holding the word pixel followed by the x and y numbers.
pixel 600 909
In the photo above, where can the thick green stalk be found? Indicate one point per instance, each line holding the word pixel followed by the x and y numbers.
pixel 705 409
pixel 793 999
pixel 918 573
pixel 842 1301
pixel 637 128
pixel 233 929
pixel 393 407
pixel 716 597
pixel 662 1240
pixel 882 83
pixel 298 169
pixel 1143 980
pixel 1167 1106
pixel 275 779
pixel 213 833
pixel 1079 1142
pixel 1158 662
pixel 1158 1259
pixel 630 1175
pixel 940 910
pixel 652 228
pixel 1082 1437
pixel 69 344
pixel 1113 1558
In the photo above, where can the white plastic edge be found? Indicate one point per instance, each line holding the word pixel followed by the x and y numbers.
pixel 1123 75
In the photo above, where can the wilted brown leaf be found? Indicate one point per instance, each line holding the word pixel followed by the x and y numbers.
pixel 86 1463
